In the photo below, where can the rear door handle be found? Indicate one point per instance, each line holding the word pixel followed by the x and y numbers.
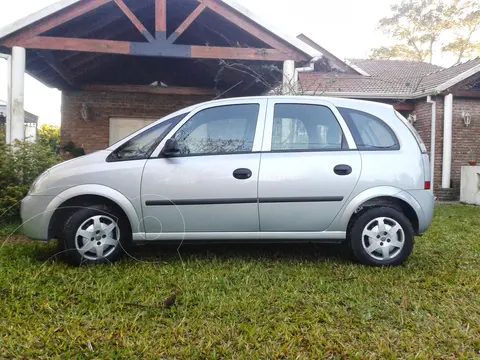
pixel 242 174
pixel 342 170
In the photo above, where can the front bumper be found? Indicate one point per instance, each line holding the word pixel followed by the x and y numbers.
pixel 35 218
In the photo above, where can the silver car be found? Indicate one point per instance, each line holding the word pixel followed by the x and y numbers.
pixel 262 168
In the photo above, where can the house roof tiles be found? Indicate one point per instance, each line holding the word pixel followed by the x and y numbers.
pixel 390 78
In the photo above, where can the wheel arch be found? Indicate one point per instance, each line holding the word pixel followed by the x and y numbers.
pixel 85 195
pixel 383 196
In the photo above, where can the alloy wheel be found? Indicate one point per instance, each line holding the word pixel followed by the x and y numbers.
pixel 97 237
pixel 383 238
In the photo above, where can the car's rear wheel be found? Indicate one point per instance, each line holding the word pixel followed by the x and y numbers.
pixel 382 236
pixel 95 234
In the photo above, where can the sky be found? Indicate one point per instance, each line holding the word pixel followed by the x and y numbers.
pixel 344 27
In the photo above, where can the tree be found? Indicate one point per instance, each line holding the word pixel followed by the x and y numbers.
pixel 398 52
pixel 270 78
pixel 422 28
pixel 49 135
pixel 466 27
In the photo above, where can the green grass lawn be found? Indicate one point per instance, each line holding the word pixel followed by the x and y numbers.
pixel 247 301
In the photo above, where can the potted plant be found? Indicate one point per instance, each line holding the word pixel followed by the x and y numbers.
pixel 472 158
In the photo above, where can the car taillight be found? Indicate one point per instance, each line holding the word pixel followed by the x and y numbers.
pixel 428 185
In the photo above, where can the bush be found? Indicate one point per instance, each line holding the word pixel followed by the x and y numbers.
pixel 10 198
pixel 49 135
pixel 20 164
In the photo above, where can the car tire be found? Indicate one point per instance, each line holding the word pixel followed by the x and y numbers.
pixel 381 236
pixel 95 234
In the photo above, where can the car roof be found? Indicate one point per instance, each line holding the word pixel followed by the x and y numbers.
pixel 364 105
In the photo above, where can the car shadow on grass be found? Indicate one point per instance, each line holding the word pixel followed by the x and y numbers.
pixel 241 251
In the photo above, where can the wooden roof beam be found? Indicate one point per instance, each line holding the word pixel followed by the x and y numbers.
pixel 160 19
pixel 158 49
pixel 188 21
pixel 97 65
pixel 228 53
pixel 248 26
pixel 135 21
pixel 54 21
pixel 69 44
pixel 56 65
pixel 109 28
pixel 51 82
pixel 84 58
pixel 151 89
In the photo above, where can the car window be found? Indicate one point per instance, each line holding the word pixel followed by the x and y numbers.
pixel 306 127
pixel 414 131
pixel 369 132
pixel 142 145
pixel 219 130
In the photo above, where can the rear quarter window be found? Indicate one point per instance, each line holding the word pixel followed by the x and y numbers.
pixel 369 132
pixel 414 132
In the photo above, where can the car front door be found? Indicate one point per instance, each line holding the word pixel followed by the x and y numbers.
pixel 210 186
pixel 309 166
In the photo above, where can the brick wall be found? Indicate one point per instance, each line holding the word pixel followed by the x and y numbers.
pixel 464 139
pixel 94 135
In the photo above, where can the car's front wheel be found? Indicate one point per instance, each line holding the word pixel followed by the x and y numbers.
pixel 382 236
pixel 94 234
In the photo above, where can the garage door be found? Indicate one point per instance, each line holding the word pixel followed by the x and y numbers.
pixel 122 127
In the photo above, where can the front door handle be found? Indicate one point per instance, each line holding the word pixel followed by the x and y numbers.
pixel 242 174
pixel 342 170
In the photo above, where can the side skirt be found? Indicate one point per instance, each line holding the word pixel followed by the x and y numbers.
pixel 324 236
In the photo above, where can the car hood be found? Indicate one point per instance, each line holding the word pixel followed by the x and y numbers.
pixel 63 175
pixel 81 160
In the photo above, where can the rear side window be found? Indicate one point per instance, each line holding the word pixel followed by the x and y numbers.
pixel 369 132
pixel 304 127
pixel 417 136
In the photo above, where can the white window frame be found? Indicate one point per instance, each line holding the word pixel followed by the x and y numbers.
pixel 258 139
pixel 267 142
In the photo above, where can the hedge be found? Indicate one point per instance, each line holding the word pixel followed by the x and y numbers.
pixel 20 164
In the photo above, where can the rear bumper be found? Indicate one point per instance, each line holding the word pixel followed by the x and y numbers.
pixel 35 219
pixel 426 200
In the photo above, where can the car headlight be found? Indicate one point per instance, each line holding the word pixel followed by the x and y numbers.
pixel 34 188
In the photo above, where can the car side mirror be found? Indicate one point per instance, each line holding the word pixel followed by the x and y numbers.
pixel 171 148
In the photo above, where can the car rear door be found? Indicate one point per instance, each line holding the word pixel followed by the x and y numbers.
pixel 309 166
pixel 211 186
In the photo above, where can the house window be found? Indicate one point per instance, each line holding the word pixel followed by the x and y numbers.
pixel 120 128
